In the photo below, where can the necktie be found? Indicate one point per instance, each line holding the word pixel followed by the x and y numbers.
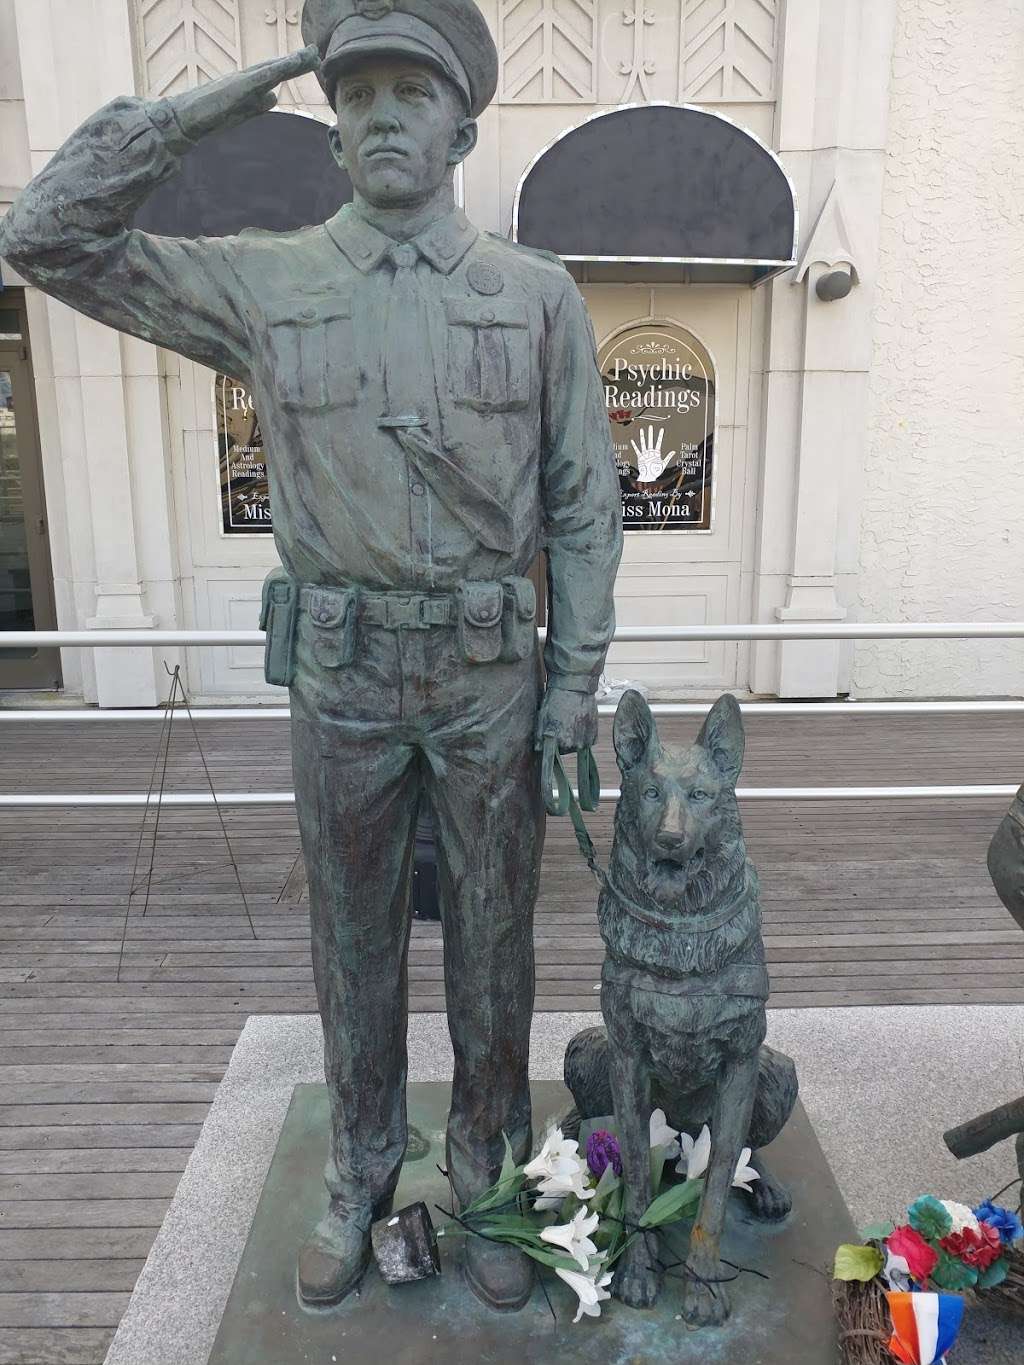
pixel 404 373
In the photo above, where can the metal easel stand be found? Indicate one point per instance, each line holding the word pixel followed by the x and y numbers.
pixel 158 775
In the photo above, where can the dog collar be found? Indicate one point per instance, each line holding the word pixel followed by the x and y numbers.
pixel 749 980
pixel 690 924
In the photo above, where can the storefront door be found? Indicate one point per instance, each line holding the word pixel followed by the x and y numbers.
pixel 26 581
pixel 688 531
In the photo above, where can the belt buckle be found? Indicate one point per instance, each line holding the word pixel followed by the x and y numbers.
pixel 403 612
pixel 433 611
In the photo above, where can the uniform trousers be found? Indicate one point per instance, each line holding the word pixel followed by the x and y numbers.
pixel 408 721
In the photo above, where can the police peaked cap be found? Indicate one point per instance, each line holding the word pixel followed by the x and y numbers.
pixel 452 35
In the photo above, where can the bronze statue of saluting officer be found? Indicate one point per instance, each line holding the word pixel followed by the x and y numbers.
pixel 431 401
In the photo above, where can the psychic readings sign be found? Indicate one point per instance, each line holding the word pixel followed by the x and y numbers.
pixel 659 389
pixel 244 490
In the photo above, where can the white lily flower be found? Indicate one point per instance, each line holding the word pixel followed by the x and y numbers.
pixel 744 1174
pixel 696 1153
pixel 961 1215
pixel 559 1170
pixel 663 1137
pixel 558 1157
pixel 557 1187
pixel 574 1236
pixel 588 1289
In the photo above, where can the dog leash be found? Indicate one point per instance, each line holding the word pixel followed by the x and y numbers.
pixel 560 799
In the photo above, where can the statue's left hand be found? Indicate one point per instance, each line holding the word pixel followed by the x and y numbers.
pixel 571 717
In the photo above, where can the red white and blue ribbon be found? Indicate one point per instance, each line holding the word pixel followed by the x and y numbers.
pixel 925 1326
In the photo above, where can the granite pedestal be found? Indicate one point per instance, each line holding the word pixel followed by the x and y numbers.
pixel 777 1320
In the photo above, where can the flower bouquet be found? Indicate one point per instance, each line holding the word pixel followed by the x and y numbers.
pixel 899 1294
pixel 565 1210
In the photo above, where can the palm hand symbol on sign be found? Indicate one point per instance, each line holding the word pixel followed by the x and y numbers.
pixel 648 455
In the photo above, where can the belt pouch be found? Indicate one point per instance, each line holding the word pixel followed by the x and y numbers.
pixel 518 631
pixel 278 615
pixel 333 612
pixel 480 622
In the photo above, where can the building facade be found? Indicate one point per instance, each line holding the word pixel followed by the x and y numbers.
pixel 844 423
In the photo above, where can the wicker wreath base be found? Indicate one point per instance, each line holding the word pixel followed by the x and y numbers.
pixel 862 1315
pixel 1009 1294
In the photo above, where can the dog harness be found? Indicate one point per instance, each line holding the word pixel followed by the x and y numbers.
pixel 749 980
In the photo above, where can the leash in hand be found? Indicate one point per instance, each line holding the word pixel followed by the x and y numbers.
pixel 560 799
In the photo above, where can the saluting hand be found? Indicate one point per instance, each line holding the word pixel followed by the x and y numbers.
pixel 233 99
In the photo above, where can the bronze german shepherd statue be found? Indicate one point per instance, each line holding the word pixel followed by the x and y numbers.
pixel 683 992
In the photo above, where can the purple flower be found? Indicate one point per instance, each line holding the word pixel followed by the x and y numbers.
pixel 1007 1224
pixel 602 1152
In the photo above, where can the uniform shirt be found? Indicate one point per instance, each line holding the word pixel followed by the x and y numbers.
pixel 511 452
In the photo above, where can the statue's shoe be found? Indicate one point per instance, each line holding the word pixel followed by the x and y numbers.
pixel 498 1275
pixel 333 1259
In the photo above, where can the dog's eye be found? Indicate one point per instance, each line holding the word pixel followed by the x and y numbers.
pixel 700 795
pixel 652 793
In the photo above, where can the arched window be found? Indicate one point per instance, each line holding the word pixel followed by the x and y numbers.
pixel 275 171
pixel 660 392
pixel 666 183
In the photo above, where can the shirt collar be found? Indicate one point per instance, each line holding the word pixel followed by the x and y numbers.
pixel 443 243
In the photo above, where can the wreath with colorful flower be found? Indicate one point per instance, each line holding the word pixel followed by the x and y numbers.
pixel 918 1271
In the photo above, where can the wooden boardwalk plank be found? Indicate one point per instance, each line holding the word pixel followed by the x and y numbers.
pixel 54 1345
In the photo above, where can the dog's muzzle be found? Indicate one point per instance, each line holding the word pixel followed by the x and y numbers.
pixel 680 869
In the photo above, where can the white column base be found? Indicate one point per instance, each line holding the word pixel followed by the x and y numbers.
pixel 809 668
pixel 124 677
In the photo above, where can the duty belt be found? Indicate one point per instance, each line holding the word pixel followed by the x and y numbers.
pixel 391 610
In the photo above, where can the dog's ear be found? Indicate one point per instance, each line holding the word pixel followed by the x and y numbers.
pixel 633 731
pixel 722 736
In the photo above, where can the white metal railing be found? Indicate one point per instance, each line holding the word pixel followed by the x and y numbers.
pixel 699 708
pixel 937 630
pixel 32 800
pixel 808 630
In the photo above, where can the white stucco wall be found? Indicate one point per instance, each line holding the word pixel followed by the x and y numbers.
pixel 942 533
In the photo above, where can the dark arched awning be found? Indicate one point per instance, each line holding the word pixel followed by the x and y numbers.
pixel 668 183
pixel 275 171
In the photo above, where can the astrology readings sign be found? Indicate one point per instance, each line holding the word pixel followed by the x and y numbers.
pixel 659 389
pixel 244 488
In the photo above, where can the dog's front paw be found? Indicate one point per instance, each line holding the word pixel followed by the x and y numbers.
pixel 768 1198
pixel 704 1304
pixel 637 1280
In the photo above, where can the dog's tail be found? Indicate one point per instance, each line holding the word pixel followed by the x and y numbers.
pixel 572 1123
pixel 586 1075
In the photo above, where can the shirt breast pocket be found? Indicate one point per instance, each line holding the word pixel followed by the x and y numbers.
pixel 488 353
pixel 312 352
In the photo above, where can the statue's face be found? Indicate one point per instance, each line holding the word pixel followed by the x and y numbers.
pixel 401 128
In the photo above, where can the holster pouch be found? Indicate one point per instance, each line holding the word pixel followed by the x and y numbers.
pixel 278 616
pixel 334 612
pixel 518 629
pixel 480 622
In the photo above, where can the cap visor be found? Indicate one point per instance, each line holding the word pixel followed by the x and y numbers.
pixel 387 45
